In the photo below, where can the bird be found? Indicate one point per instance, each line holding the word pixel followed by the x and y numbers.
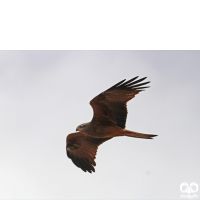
pixel 109 120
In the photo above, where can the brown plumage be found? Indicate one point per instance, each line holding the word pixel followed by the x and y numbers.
pixel 109 119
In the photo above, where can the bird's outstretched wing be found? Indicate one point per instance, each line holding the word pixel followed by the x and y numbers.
pixel 110 106
pixel 81 149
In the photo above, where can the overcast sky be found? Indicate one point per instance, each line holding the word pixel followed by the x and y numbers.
pixel 45 95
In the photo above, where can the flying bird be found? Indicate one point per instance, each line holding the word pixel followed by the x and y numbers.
pixel 109 119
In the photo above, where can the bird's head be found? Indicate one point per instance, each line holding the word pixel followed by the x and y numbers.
pixel 82 127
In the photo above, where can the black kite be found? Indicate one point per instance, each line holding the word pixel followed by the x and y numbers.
pixel 110 113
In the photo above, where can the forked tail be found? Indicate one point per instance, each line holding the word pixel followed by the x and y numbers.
pixel 138 135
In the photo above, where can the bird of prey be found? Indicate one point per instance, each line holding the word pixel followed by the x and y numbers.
pixel 109 119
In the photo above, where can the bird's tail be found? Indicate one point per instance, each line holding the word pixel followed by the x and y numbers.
pixel 138 135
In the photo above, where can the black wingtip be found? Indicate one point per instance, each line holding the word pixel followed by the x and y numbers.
pixel 133 84
pixel 119 83
pixel 126 83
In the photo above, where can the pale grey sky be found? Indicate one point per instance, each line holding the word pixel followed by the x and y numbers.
pixel 45 95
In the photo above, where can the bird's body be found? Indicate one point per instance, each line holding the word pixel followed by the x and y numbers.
pixel 101 131
pixel 110 113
